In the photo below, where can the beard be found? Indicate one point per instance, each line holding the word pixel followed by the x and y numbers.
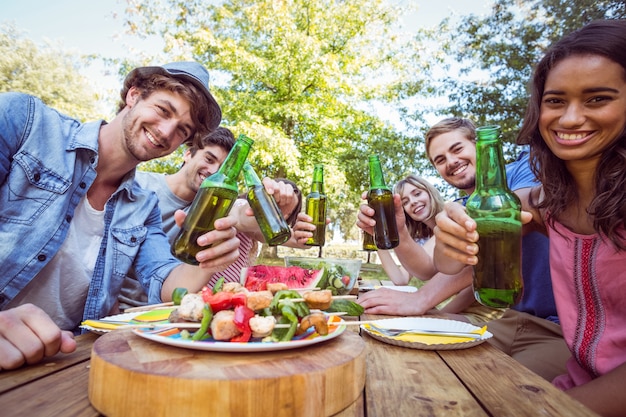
pixel 465 181
pixel 132 131
pixel 464 184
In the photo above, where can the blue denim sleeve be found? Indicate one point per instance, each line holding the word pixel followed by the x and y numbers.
pixel 16 113
pixel 518 173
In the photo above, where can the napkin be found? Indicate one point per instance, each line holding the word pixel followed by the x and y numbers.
pixel 427 339
pixel 114 322
pixel 152 316
pixel 102 324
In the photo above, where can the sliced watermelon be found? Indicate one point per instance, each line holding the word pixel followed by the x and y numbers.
pixel 255 278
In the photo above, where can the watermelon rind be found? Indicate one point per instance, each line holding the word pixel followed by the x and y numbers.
pixel 253 277
pixel 334 271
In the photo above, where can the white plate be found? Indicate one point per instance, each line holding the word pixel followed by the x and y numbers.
pixel 401 288
pixel 426 324
pixel 211 345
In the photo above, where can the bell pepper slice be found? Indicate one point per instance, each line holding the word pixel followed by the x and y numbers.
pixel 242 321
pixel 207 316
pixel 218 301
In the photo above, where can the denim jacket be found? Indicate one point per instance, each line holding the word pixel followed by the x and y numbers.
pixel 47 164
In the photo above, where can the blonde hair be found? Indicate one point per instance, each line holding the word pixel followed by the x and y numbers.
pixel 420 230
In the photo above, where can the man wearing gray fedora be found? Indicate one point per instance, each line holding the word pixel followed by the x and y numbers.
pixel 73 220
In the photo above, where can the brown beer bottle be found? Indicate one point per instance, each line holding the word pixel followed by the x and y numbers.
pixel 497 211
pixel 316 207
pixel 213 201
pixel 380 198
pixel 368 243
pixel 266 211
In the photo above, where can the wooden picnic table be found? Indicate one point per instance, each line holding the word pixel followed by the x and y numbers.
pixel 478 381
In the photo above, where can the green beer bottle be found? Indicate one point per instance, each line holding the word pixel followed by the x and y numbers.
pixel 368 243
pixel 213 201
pixel 316 207
pixel 266 212
pixel 380 198
pixel 496 210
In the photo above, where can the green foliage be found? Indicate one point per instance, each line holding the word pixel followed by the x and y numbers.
pixel 318 81
pixel 301 78
pixel 494 55
pixel 47 73
pixel 167 164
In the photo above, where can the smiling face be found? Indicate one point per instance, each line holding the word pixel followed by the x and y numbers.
pixel 416 202
pixel 157 125
pixel 583 107
pixel 454 157
pixel 204 162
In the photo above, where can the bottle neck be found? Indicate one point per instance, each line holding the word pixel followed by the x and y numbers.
pixel 235 160
pixel 317 187
pixel 318 181
pixel 226 175
pixel 250 176
pixel 377 181
pixel 490 171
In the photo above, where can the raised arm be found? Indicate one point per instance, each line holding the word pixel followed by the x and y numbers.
pixel 455 239
pixel 395 272
pixel 212 260
pixel 411 254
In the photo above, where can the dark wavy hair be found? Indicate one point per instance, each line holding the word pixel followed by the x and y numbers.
pixel 605 38
pixel 221 137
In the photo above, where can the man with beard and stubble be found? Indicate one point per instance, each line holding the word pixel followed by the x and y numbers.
pixel 72 219
pixel 529 331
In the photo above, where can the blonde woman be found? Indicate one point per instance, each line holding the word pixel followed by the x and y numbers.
pixel 421 202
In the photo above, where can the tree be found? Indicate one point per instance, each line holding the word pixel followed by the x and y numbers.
pixel 495 55
pixel 48 73
pixel 300 78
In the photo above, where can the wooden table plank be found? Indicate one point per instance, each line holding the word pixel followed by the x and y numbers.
pixel 18 377
pixel 479 381
pixel 413 383
pixel 60 394
pixel 518 392
pixel 356 409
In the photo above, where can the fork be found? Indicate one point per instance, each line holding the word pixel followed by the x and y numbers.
pixel 397 332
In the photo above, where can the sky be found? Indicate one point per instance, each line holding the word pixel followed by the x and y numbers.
pixel 96 27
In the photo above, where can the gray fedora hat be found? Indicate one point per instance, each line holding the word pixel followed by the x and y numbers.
pixel 192 72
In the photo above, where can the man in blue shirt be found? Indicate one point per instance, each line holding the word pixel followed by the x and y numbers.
pixel 72 219
pixel 528 332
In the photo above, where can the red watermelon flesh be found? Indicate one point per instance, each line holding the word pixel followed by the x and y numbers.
pixel 255 278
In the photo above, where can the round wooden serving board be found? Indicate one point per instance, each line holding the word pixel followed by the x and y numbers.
pixel 132 376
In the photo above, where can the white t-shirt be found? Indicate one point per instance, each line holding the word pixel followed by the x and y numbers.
pixel 60 289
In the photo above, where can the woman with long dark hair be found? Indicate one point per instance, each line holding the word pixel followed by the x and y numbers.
pixel 576 128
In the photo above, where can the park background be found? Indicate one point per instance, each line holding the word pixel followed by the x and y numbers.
pixel 310 81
